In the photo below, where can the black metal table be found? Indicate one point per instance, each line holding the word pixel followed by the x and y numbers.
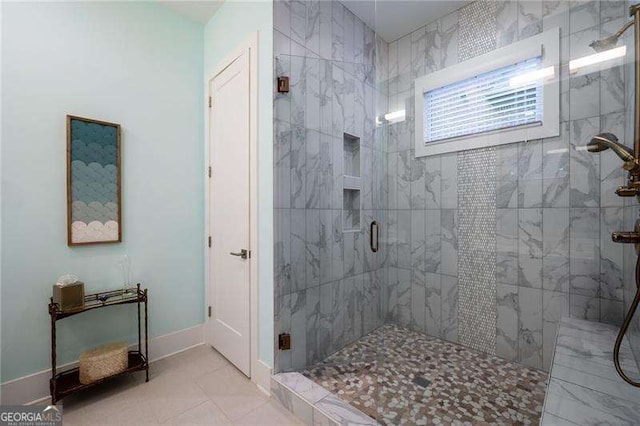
pixel 68 382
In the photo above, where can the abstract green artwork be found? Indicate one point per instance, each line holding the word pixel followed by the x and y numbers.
pixel 93 182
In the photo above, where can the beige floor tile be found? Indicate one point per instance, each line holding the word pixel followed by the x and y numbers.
pixel 206 413
pixel 269 414
pixel 198 386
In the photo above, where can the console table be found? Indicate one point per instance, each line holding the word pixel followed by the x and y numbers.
pixel 68 382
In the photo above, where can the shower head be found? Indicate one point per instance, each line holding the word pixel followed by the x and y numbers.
pixel 605 141
pixel 604 44
pixel 611 41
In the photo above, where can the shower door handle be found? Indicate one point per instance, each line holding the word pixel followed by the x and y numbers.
pixel 374 241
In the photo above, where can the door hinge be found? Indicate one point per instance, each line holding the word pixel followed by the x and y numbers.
pixel 209 311
pixel 209 240
pixel 209 101
pixel 284 341
pixel 209 171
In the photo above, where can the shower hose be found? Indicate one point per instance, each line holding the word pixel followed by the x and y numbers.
pixel 625 326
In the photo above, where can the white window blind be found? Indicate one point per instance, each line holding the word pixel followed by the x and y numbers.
pixel 484 103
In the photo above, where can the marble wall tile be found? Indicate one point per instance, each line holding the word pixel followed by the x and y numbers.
pixel 312 248
pixel 282 16
pixel 449 242
pixel 349 20
pixel 418 306
pixel 449 299
pixel 611 173
pixel 433 54
pixel 530 327
pixel 584 252
pixel 403 180
pixel 506 22
pixel 555 169
pixel 529 18
pixel 448 26
pixel 530 248
pixel 433 184
pixel 418 248
pixel 312 25
pixel 584 14
pixel 418 182
pixel 433 305
pixel 312 169
pixel 298 250
pixel 303 331
pixel 555 13
pixel 554 305
pixel 584 307
pixel 611 254
pixel 507 321
pixel 418 52
pixel 282 251
pixel 585 166
pixel 332 317
pixel 404 64
pixel 555 249
pixel 337 31
pixel 611 311
pixel 449 181
pixel 434 229
pixel 282 165
pixel 507 175
pixel 530 174
pixel 403 241
pixel 298 21
pixel 507 246
pixel 404 297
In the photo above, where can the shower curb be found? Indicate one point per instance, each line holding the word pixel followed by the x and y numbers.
pixel 313 404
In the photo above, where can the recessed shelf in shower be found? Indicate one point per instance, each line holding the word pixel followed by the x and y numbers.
pixel 351 184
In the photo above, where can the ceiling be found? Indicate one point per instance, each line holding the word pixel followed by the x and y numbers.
pixel 199 10
pixel 397 18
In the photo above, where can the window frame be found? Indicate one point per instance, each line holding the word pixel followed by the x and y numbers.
pixel 546 44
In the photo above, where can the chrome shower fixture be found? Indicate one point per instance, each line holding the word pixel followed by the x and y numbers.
pixel 631 157
pixel 605 141
pixel 611 41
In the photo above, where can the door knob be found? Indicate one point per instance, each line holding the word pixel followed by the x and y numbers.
pixel 243 254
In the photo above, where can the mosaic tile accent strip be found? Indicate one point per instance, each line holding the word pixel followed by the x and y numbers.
pixel 477 29
pixel 477 306
pixel 397 377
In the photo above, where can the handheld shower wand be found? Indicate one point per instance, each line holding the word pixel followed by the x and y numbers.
pixel 631 158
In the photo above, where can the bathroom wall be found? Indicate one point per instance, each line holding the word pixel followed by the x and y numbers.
pixel 543 209
pixel 327 281
pixel 134 63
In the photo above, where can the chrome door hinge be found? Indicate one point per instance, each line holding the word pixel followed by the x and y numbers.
pixel 209 101
pixel 209 240
pixel 209 311
pixel 209 171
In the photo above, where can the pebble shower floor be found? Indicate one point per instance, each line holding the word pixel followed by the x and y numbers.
pixel 397 376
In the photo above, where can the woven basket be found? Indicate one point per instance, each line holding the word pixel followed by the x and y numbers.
pixel 103 362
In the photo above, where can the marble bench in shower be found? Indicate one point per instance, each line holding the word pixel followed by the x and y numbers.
pixel 584 387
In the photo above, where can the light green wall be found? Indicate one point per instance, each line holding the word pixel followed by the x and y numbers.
pixel 138 64
pixel 229 28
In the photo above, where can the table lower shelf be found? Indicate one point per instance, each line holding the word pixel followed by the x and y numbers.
pixel 68 382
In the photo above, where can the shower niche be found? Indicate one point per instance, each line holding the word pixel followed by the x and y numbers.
pixel 351 184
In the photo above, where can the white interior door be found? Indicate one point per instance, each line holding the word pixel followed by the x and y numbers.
pixel 229 270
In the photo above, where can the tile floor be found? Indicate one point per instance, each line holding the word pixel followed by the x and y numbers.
pixel 197 386
pixel 397 376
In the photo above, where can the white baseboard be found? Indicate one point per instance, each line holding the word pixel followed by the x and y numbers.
pixel 262 377
pixel 35 387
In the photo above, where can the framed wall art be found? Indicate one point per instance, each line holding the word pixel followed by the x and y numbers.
pixel 94 210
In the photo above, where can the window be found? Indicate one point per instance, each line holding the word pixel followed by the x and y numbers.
pixel 505 96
